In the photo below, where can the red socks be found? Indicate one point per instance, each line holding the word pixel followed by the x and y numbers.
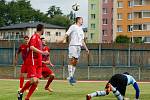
pixel 21 81
pixel 31 90
pixel 26 86
pixel 49 81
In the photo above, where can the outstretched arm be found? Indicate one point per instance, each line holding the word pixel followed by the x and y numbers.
pixel 63 39
pixel 84 45
pixel 136 87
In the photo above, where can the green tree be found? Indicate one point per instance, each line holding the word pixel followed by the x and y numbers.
pixel 138 40
pixel 122 39
pixel 72 16
pixel 53 11
pixel 3 13
pixel 61 21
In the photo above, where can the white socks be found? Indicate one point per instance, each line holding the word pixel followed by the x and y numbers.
pixel 71 70
pixel 103 93
pixel 98 93
pixel 117 93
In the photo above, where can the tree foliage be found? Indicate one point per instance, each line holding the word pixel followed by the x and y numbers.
pixel 122 39
pixel 19 11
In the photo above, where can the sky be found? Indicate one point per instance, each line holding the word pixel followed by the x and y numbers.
pixel 65 6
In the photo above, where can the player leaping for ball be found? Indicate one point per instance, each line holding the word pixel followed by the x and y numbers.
pixel 46 71
pixel 117 84
pixel 76 41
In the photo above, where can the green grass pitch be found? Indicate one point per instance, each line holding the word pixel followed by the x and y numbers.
pixel 63 91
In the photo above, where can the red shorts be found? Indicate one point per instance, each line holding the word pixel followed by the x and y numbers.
pixel 24 68
pixel 46 71
pixel 34 71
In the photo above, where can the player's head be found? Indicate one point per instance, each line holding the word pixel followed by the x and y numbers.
pixel 26 39
pixel 43 40
pixel 79 20
pixel 126 73
pixel 40 28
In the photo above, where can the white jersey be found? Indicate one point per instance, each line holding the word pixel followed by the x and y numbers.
pixel 76 34
pixel 131 80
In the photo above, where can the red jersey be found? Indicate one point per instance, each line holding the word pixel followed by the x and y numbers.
pixel 34 58
pixel 45 57
pixel 24 49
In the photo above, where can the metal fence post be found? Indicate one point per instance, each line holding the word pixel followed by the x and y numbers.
pixel 113 61
pixel 139 73
pixel 129 56
pixel 100 54
pixel 14 52
pixel 88 67
pixel 63 68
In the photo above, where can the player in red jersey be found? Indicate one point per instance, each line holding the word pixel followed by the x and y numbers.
pixel 34 62
pixel 46 71
pixel 23 49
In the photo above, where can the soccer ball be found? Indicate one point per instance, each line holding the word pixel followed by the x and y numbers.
pixel 76 7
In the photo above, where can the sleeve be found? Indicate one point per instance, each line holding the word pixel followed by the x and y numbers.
pixel 136 87
pixel 33 41
pixel 83 35
pixel 47 49
pixel 69 30
pixel 133 80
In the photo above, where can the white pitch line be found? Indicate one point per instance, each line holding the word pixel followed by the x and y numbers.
pixel 80 81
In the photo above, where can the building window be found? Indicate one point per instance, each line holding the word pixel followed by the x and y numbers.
pixel 58 33
pixel 112 10
pixel 119 28
pixel 138 2
pixel 105 1
pixel 129 16
pixel 92 26
pixel 146 26
pixel 112 21
pixel 137 27
pixel 130 28
pixel 137 14
pixel 105 11
pixel 105 41
pixel 119 16
pixel 146 14
pixel 130 3
pixel 93 6
pixel 93 16
pixel 119 4
pixel 104 32
pixel 91 36
pixel 48 33
pixel 105 22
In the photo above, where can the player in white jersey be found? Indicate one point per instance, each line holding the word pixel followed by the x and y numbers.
pixel 76 34
pixel 117 84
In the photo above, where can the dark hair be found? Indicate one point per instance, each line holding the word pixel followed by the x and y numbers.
pixel 42 38
pixel 26 37
pixel 126 73
pixel 39 27
pixel 77 19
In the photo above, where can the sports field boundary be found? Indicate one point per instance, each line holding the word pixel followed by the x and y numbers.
pixel 80 81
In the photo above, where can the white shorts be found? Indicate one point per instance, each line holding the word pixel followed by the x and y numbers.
pixel 74 51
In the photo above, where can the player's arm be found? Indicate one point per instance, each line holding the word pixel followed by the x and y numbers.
pixel 66 35
pixel 63 39
pixel 50 62
pixel 136 87
pixel 38 51
pixel 84 45
pixel 16 55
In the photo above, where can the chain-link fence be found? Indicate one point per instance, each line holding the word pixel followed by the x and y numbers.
pixel 103 61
